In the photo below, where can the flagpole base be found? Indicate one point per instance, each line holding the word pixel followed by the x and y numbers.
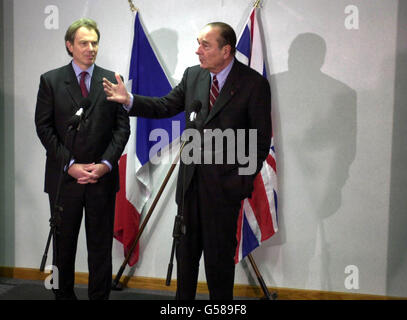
pixel 117 286
pixel 273 296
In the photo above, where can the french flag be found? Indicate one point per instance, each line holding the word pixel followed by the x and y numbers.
pixel 258 216
pixel 148 79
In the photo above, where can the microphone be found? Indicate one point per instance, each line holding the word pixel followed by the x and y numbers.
pixel 195 107
pixel 74 122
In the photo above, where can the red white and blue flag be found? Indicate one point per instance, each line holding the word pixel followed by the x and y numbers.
pixel 148 79
pixel 258 216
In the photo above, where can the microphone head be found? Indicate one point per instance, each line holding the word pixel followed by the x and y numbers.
pixel 84 103
pixel 196 106
pixel 73 122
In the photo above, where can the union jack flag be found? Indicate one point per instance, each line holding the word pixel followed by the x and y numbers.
pixel 258 216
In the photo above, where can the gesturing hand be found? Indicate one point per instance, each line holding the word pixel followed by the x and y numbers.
pixel 116 92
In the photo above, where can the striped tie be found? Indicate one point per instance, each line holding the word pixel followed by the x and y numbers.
pixel 214 93
pixel 83 85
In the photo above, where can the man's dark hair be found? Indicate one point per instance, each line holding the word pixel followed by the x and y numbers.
pixel 83 22
pixel 227 35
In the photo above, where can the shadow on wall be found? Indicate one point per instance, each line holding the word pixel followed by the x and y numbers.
pixel 168 56
pixel 397 233
pixel 316 144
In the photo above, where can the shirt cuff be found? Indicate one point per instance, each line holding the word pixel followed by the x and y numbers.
pixel 128 107
pixel 108 164
pixel 69 165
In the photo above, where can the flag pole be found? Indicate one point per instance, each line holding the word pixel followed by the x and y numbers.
pixel 267 295
pixel 266 292
pixel 133 8
pixel 115 284
pixel 256 4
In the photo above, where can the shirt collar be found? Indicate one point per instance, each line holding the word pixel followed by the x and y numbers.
pixel 221 76
pixel 78 70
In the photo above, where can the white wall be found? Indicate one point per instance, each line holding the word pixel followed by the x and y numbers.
pixel 333 130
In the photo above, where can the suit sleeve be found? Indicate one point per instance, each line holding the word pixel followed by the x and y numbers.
pixel 45 123
pixel 121 133
pixel 120 136
pixel 260 119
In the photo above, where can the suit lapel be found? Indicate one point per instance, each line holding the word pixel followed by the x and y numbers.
pixel 203 96
pixel 228 91
pixel 72 86
pixel 96 88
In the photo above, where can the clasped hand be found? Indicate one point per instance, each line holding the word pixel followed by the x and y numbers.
pixel 85 173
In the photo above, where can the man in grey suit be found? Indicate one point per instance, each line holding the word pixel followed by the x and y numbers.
pixel 90 177
pixel 233 97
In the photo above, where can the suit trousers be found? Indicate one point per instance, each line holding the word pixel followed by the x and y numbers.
pixel 211 222
pixel 99 219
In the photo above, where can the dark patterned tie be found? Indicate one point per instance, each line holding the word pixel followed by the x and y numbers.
pixel 214 93
pixel 83 85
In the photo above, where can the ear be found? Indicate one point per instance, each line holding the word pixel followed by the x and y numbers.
pixel 226 50
pixel 69 46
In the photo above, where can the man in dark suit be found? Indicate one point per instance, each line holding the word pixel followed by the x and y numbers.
pixel 234 97
pixel 89 161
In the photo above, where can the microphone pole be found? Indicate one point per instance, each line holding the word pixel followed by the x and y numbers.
pixel 179 226
pixel 56 210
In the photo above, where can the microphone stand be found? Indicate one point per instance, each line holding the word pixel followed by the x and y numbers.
pixel 179 228
pixel 57 209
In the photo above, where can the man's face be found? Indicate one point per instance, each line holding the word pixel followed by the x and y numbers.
pixel 84 48
pixel 210 55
